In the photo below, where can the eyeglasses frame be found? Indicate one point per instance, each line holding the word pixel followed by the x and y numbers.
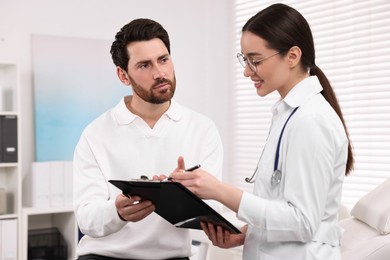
pixel 252 64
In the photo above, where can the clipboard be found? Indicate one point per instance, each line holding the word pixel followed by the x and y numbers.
pixel 175 203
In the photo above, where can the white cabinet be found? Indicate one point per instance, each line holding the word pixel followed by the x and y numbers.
pixel 10 173
pixel 61 218
pixel 45 207
pixel 13 214
pixel 10 180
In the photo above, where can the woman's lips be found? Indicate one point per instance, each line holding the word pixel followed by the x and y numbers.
pixel 257 84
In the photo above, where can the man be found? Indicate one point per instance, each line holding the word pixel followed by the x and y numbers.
pixel 143 134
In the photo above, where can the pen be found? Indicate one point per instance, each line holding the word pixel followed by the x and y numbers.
pixel 193 168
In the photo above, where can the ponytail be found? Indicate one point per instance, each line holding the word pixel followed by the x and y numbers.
pixel 330 96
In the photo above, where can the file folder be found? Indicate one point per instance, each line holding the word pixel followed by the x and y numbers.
pixel 9 137
pixel 175 203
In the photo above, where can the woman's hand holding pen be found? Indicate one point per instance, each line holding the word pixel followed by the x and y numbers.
pixel 200 182
pixel 132 208
pixel 207 186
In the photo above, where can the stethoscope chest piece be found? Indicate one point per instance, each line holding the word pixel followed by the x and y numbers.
pixel 276 177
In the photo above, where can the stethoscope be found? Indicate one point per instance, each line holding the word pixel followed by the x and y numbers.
pixel 276 176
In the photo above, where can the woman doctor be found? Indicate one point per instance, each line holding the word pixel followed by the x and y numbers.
pixel 293 211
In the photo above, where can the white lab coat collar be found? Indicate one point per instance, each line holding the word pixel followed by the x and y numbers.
pixel 304 90
pixel 299 94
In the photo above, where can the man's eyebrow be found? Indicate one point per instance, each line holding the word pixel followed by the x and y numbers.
pixel 141 62
pixel 149 60
pixel 163 56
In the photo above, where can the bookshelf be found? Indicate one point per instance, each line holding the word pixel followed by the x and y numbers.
pixel 10 172
pixel 17 217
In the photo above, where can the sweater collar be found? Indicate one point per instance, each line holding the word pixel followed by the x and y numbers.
pixel 124 116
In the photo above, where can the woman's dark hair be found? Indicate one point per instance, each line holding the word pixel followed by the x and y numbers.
pixel 283 27
pixel 137 30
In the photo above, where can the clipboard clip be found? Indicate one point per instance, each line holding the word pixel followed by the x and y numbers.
pixel 144 178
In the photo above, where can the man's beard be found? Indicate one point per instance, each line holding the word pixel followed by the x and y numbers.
pixel 154 96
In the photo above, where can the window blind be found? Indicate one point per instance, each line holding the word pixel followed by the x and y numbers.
pixel 352 41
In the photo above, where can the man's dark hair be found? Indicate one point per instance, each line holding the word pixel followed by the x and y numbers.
pixel 137 30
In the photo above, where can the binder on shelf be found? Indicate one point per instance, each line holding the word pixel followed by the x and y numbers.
pixel 40 185
pixel 175 203
pixel 50 184
pixel 68 183
pixel 57 184
pixel 8 139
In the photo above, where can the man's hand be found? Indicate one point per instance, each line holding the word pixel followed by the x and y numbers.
pixel 132 208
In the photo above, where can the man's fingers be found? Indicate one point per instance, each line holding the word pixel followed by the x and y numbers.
pixel 135 210
pixel 141 214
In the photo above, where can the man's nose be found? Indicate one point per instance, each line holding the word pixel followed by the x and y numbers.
pixel 158 73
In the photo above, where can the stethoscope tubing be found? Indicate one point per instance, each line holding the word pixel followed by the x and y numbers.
pixel 276 162
pixel 277 174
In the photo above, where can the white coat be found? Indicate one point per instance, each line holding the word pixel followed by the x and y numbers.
pixel 298 218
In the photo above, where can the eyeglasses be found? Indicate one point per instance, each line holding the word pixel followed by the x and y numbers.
pixel 252 63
